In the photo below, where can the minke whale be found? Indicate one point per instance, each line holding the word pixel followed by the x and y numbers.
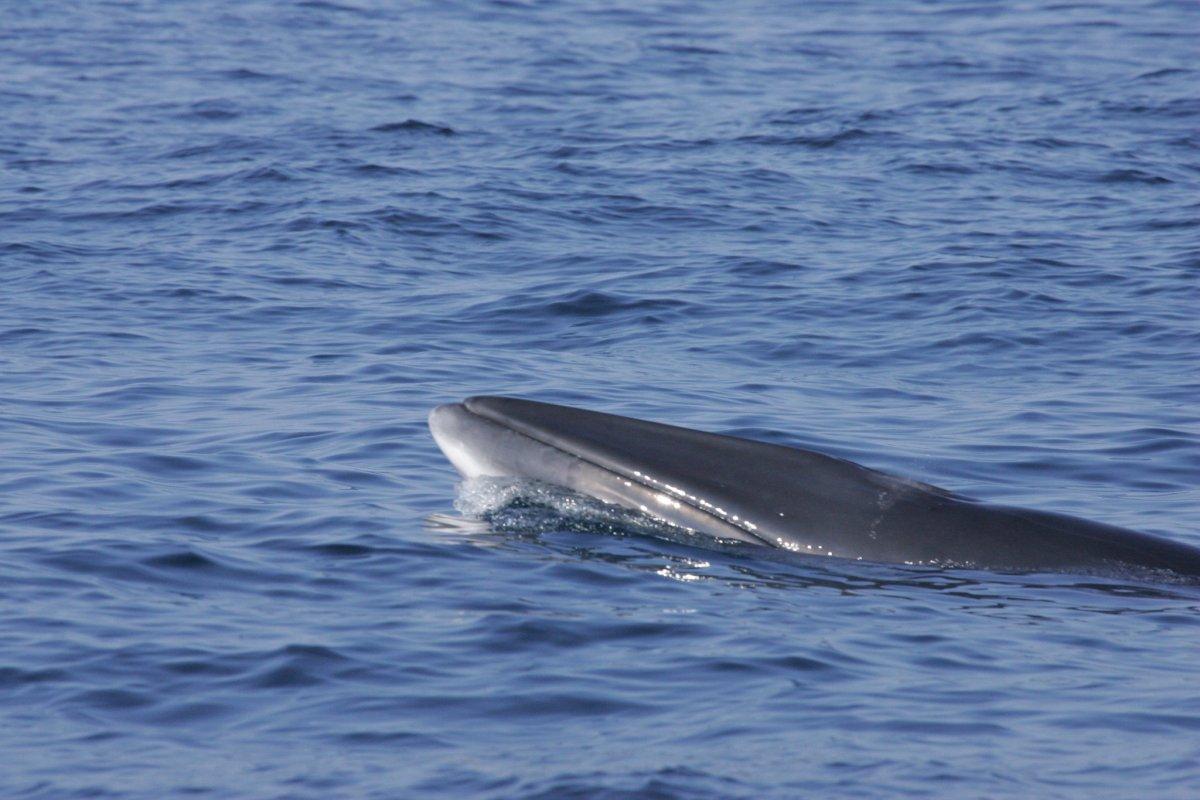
pixel 786 497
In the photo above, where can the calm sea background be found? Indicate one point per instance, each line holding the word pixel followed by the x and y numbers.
pixel 246 246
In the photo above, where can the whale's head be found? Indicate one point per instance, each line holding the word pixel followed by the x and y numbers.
pixel 619 460
pixel 481 440
pixel 466 439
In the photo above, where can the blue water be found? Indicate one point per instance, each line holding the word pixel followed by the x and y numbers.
pixel 245 246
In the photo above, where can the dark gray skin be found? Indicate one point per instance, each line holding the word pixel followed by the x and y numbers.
pixel 786 497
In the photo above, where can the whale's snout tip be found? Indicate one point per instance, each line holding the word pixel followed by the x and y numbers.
pixel 443 415
pixel 468 441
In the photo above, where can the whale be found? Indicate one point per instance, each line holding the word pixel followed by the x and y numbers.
pixel 752 492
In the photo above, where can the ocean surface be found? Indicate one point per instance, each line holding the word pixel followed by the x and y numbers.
pixel 246 246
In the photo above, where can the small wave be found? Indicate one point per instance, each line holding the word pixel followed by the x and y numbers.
pixel 382 170
pixel 212 110
pixel 414 126
pixel 188 560
pixel 390 739
pixel 244 74
pixel 670 783
pixel 815 141
pixel 601 304
pixel 327 5
pixel 1131 176
pixel 1181 107
pixel 687 50
pixel 225 147
pixel 938 169
pixel 1163 73
pixel 15 334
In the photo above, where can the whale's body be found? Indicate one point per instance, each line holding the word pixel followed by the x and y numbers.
pixel 756 492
